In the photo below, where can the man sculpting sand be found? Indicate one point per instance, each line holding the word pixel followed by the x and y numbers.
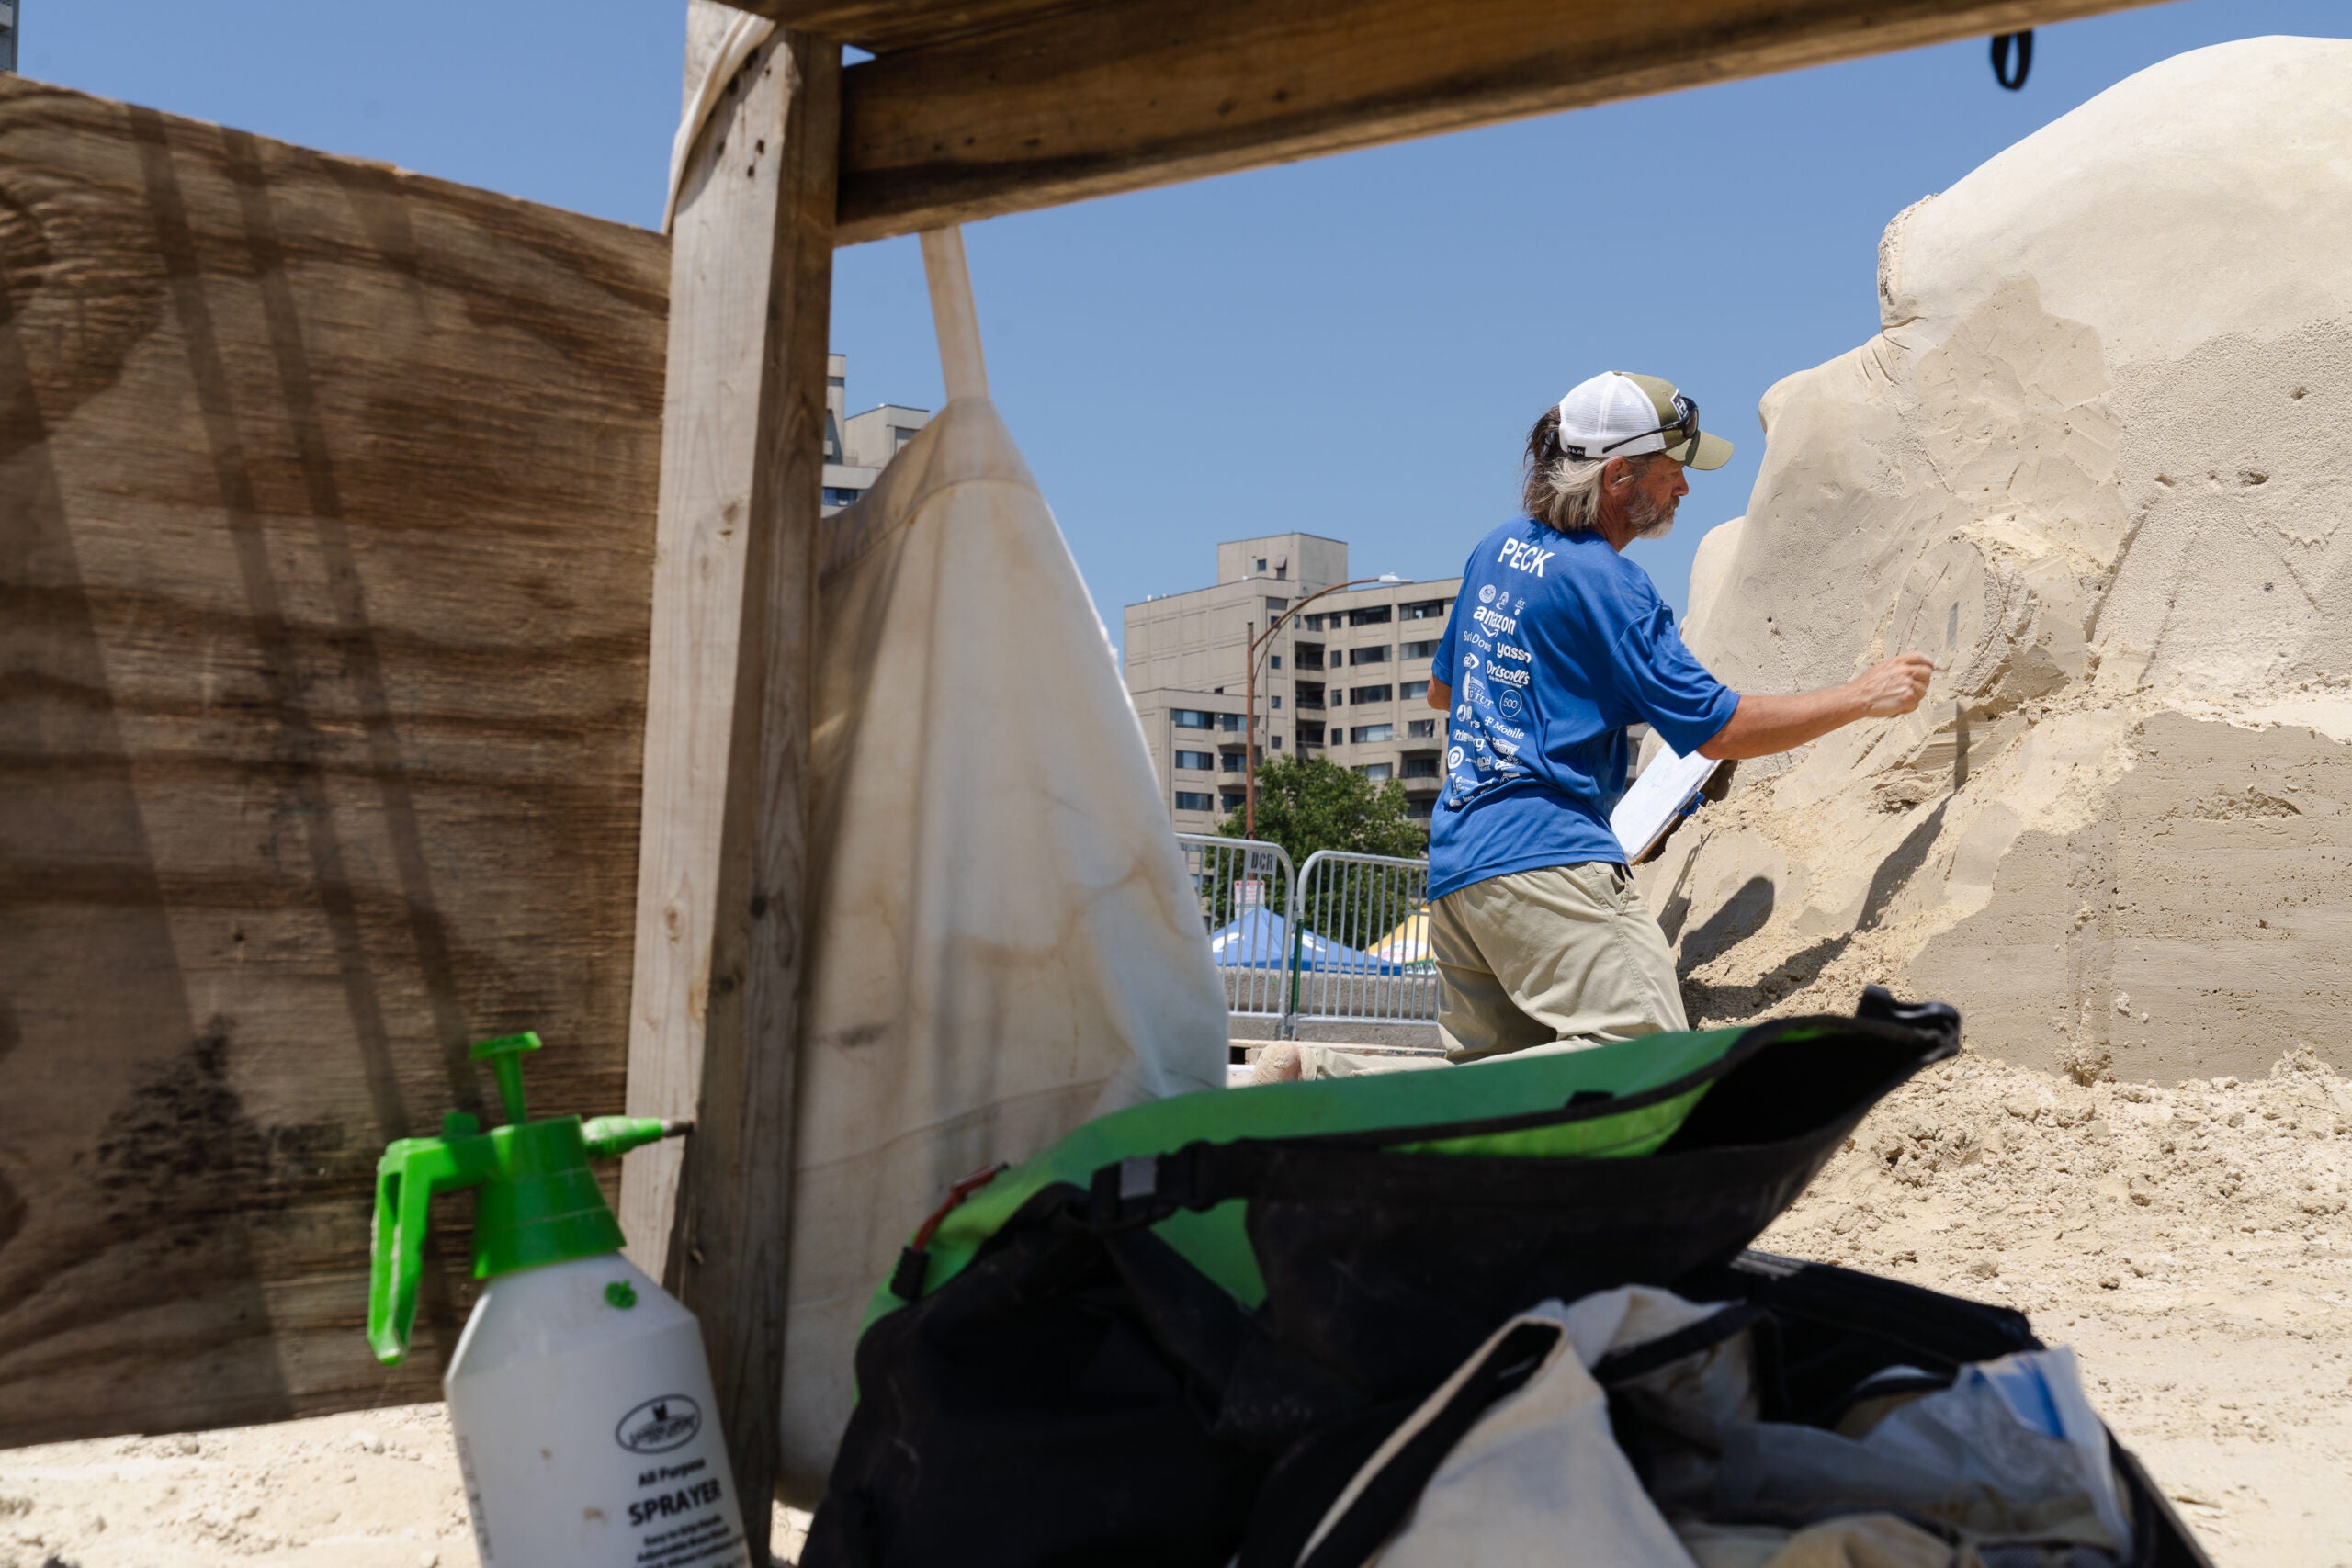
pixel 1556 644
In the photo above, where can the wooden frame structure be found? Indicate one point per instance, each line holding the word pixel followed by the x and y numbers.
pixel 966 110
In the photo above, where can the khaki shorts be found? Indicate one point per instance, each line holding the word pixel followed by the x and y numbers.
pixel 1568 956
pixel 1561 959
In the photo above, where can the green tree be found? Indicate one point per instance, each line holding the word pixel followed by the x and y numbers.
pixel 1306 804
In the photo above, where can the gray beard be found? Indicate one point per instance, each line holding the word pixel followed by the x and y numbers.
pixel 1649 521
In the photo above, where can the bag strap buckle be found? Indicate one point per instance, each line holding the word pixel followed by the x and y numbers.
pixel 1143 1190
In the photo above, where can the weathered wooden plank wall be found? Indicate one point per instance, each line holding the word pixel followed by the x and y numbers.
pixel 326 527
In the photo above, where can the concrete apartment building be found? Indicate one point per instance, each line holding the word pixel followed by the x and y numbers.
pixel 856 445
pixel 1346 679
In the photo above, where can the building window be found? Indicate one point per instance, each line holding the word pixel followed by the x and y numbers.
pixel 1419 650
pixel 1362 695
pixel 1199 762
pixel 1371 616
pixel 1420 728
pixel 1412 689
pixel 1310 734
pixel 1235 802
pixel 1275 741
pixel 1314 623
pixel 1310 694
pixel 1420 767
pixel 1190 718
pixel 1190 800
pixel 1233 763
pixel 1427 610
pixel 1278 701
pixel 1229 721
pixel 1377 772
pixel 1262 563
pixel 1278 661
pixel 1310 655
pixel 1364 734
pixel 1276 606
pixel 1419 809
pixel 836 495
pixel 1369 655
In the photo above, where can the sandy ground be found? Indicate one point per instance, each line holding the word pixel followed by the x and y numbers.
pixel 2193 1244
pixel 377 1489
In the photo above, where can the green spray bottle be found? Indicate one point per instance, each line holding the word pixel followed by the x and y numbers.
pixel 587 1431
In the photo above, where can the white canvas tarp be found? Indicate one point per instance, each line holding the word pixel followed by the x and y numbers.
pixel 1005 941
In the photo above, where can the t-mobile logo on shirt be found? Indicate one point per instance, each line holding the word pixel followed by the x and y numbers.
pixel 1523 557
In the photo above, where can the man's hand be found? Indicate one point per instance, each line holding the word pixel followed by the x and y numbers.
pixel 1892 688
pixel 1760 725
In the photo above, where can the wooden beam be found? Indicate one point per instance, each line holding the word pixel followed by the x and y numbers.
pixel 885 25
pixel 1070 104
pixel 326 501
pixel 714 1013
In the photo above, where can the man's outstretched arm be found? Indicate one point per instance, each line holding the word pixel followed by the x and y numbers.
pixel 1760 725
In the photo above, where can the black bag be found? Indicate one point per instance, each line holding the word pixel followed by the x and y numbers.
pixel 1080 1393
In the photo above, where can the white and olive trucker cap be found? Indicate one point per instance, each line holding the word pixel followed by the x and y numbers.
pixel 1619 415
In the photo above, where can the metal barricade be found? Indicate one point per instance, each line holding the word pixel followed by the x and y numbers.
pixel 1361 939
pixel 1244 886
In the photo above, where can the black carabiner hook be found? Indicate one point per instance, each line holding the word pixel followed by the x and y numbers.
pixel 2001 42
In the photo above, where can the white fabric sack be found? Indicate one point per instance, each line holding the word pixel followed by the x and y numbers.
pixel 1540 1477
pixel 1005 942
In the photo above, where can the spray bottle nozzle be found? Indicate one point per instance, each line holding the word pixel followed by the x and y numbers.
pixel 610 1136
pixel 540 1202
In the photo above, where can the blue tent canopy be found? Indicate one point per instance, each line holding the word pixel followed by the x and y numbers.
pixel 1260 939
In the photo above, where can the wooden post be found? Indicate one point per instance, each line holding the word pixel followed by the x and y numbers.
pixel 716 1011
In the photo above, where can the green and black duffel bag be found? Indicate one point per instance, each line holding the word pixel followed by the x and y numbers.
pixel 1175 1336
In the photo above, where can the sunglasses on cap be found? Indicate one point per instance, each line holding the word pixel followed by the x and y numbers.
pixel 1686 425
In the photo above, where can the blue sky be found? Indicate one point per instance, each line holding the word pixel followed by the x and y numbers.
pixel 1352 347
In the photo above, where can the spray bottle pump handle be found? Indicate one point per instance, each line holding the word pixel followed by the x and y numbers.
pixel 504 1056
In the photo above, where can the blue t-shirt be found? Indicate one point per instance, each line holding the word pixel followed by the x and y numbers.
pixel 1556 644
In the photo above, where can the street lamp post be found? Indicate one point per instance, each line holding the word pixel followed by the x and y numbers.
pixel 1257 643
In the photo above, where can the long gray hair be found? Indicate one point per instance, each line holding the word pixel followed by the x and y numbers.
pixel 1560 492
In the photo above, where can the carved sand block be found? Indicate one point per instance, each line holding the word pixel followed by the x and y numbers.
pixel 2096 465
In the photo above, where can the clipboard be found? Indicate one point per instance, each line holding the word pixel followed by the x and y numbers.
pixel 1657 799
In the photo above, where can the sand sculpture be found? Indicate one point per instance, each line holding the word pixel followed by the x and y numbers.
pixel 2098 463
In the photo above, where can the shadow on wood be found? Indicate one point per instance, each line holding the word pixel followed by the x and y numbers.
pixel 326 501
